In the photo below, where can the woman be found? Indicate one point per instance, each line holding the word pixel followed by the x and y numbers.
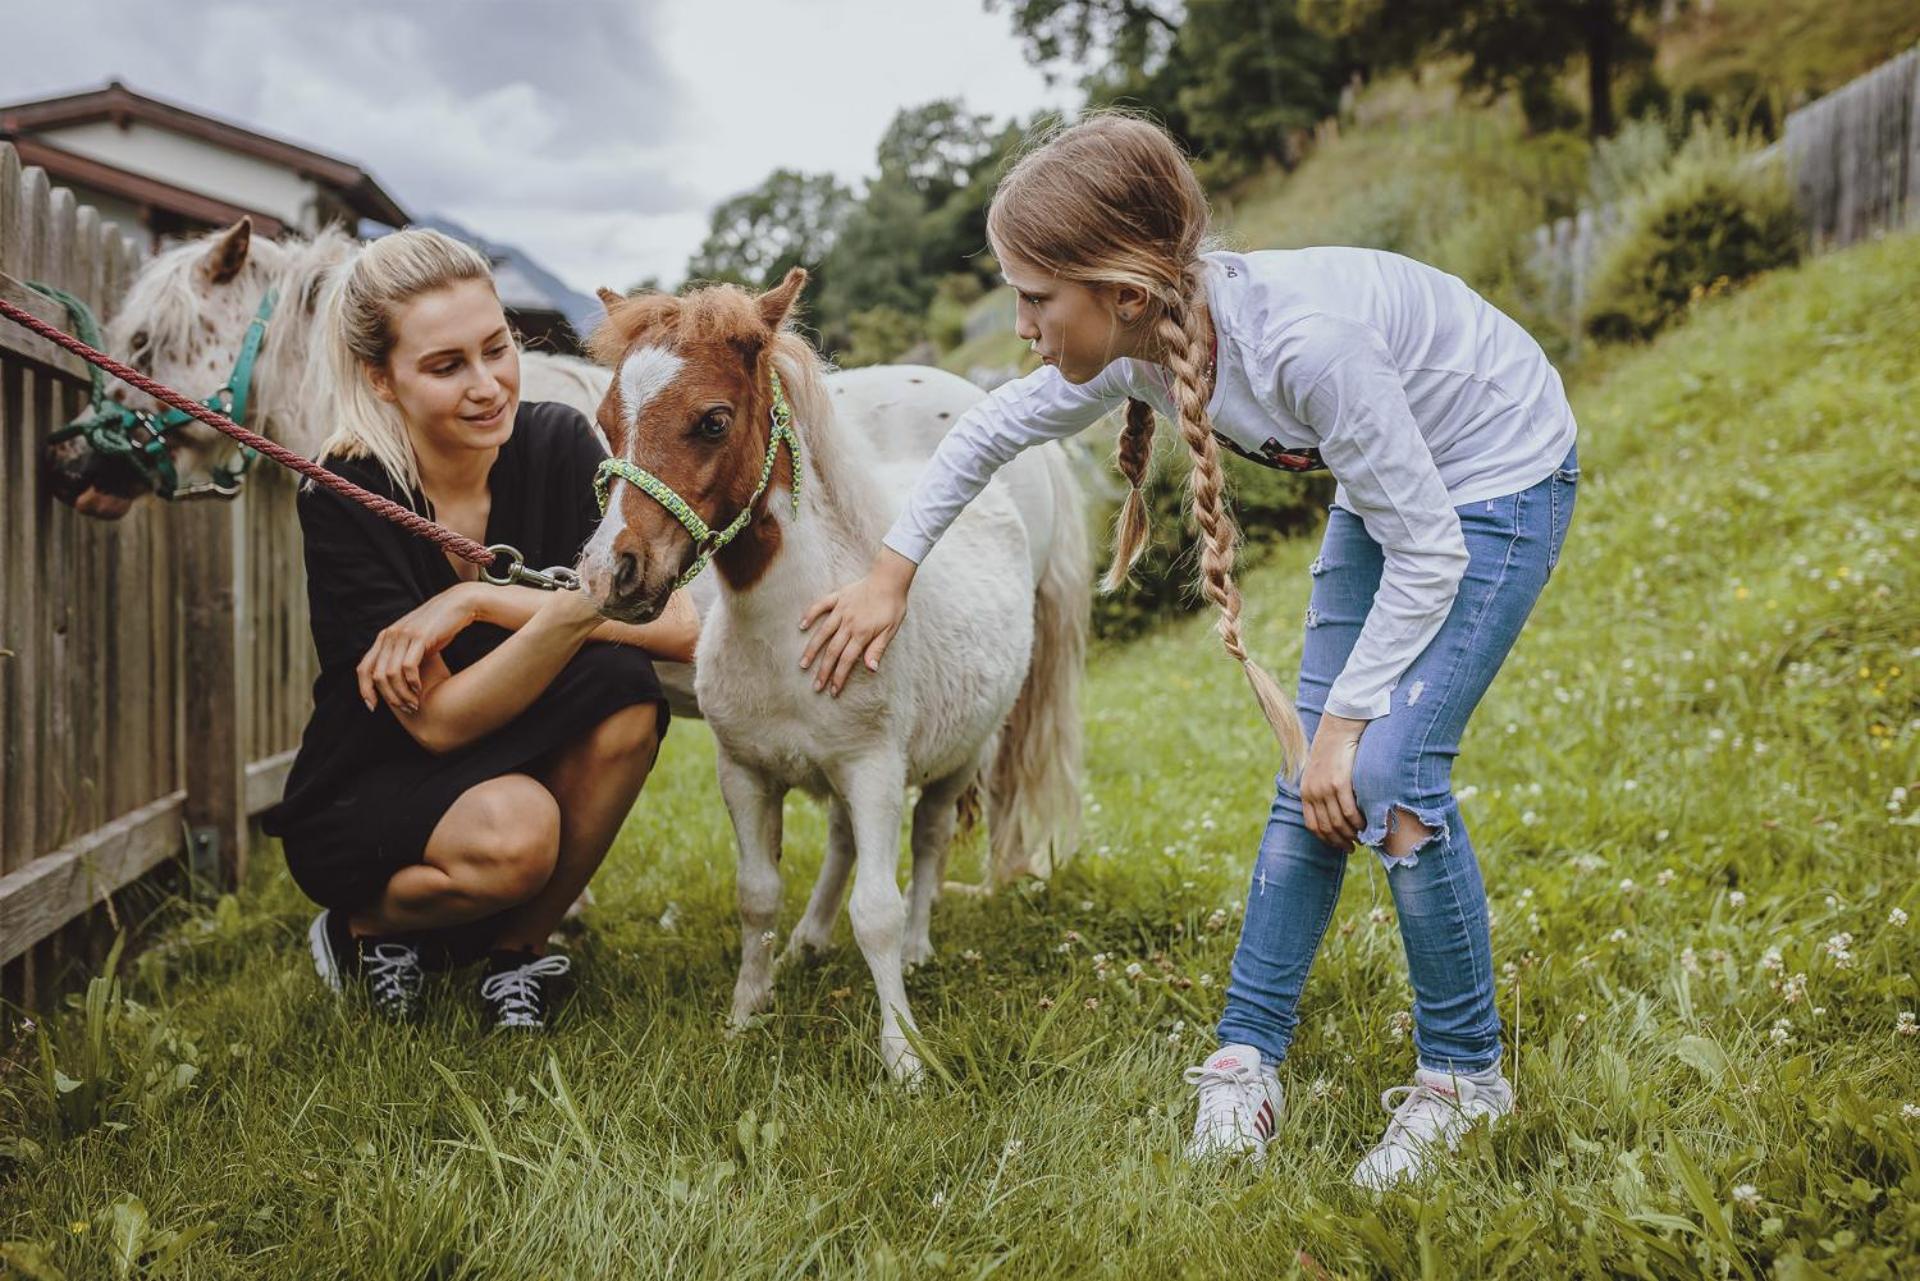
pixel 1453 445
pixel 473 749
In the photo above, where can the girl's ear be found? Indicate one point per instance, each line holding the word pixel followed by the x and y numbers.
pixel 1130 302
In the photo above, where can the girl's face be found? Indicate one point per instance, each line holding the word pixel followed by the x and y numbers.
pixel 1079 329
pixel 454 371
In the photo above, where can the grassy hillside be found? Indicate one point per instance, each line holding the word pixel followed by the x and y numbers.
pixel 1693 788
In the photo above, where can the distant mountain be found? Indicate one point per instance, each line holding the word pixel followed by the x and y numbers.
pixel 523 283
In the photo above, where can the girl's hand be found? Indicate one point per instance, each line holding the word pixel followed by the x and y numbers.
pixel 1326 785
pixel 860 620
pixel 391 668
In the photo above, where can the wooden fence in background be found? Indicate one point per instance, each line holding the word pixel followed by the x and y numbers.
pixel 1853 161
pixel 153 671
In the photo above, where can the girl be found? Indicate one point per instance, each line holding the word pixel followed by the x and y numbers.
pixel 471 754
pixel 1452 444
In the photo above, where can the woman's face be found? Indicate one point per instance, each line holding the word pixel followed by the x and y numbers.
pixel 454 371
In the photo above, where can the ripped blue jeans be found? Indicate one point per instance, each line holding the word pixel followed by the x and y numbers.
pixel 1404 766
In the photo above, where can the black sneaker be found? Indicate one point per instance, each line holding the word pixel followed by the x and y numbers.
pixel 514 987
pixel 388 968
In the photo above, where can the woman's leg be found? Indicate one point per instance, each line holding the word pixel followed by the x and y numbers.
pixel 595 782
pixel 493 848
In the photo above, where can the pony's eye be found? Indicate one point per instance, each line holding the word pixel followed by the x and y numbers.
pixel 715 423
pixel 140 341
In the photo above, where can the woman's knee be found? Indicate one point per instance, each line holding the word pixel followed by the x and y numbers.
pixel 633 733
pixel 508 838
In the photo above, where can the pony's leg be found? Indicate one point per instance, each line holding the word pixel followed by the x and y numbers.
pixel 934 818
pixel 754 804
pixel 814 934
pixel 873 790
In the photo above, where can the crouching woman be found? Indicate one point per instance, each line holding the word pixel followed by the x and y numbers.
pixel 473 749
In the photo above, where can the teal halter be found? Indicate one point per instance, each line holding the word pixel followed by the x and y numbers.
pixel 707 540
pixel 115 430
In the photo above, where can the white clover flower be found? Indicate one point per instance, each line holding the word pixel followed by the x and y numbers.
pixel 1378 916
pixel 1662 835
pixel 1910 1111
pixel 1206 980
pixel 1012 1149
pixel 1689 962
pixel 1135 969
pixel 1905 1026
pixel 1629 784
pixel 1399 1024
pixel 1897 917
pixel 1839 947
pixel 1738 898
pixel 1832 903
pixel 1782 1032
pixel 1628 887
pixel 1580 1020
pixel 1770 961
pixel 1665 878
pixel 1794 990
pixel 1216 921
pixel 1618 936
pixel 1747 1197
pixel 970 955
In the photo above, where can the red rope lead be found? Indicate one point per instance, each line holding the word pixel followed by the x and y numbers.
pixel 412 521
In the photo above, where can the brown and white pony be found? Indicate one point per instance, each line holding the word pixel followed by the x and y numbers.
pixel 980 683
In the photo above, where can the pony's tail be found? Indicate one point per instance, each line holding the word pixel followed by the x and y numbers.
pixel 1033 782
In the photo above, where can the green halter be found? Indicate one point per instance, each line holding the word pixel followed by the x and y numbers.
pixel 114 429
pixel 707 540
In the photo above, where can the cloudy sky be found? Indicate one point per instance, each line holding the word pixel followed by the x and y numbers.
pixel 595 134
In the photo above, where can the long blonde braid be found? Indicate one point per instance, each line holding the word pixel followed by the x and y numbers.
pixel 1182 329
pixel 1132 455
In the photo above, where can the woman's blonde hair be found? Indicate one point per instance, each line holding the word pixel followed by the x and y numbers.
pixel 1111 200
pixel 356 335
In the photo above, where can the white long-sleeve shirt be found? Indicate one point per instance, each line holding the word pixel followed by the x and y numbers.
pixel 1420 396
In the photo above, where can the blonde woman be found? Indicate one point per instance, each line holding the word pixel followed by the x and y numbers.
pixel 1452 443
pixel 473 749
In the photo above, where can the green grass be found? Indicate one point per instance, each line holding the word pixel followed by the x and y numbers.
pixel 1717 694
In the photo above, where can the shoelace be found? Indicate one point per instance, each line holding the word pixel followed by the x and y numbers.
pixel 1225 1091
pixel 1423 1111
pixel 515 990
pixel 393 973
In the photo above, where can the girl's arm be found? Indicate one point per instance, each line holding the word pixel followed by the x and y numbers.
pixel 861 619
pixel 1341 381
pixel 671 636
pixel 445 712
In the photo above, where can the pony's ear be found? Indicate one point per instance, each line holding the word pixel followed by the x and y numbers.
pixel 778 301
pixel 227 255
pixel 608 298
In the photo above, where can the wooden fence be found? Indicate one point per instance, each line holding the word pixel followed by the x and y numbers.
pixel 1853 160
pixel 153 671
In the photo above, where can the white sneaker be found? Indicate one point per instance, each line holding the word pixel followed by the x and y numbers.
pixel 1430 1118
pixel 1240 1101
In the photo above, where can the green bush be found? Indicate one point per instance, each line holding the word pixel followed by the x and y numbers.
pixel 880 334
pixel 1268 505
pixel 1716 217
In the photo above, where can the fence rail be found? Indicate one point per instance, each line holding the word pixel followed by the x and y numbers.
pixel 153 670
pixel 1853 161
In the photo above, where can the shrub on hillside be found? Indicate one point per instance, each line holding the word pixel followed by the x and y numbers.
pixel 1268 505
pixel 1718 215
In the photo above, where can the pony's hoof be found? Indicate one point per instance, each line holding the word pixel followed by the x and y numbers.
pixel 916 953
pixel 805 950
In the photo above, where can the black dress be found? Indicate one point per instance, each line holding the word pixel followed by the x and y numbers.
pixel 363 795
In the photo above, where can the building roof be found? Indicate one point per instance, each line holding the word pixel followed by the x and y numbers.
pixel 354 185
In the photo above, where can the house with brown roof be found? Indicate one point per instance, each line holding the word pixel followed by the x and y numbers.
pixel 169 172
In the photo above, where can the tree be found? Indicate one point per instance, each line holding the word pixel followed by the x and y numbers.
pixel 1509 45
pixel 1133 34
pixel 791 219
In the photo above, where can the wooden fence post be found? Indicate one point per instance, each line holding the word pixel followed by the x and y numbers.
pixel 212 575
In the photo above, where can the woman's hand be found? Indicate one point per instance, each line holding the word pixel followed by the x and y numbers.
pixel 858 620
pixel 1326 785
pixel 391 668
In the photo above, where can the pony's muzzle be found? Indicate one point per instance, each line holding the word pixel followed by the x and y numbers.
pixel 630 586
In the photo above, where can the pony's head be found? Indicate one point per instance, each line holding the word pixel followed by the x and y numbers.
pixel 691 405
pixel 182 323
